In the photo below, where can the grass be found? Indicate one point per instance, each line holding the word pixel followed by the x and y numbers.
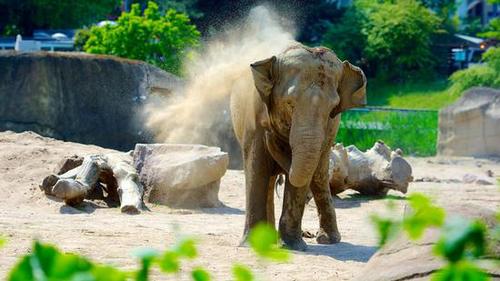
pixel 415 132
pixel 424 94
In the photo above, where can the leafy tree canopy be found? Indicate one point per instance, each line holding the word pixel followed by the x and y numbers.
pixel 162 39
pixel 24 16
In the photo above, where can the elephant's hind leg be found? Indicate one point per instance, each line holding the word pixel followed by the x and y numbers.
pixel 290 227
pixel 270 201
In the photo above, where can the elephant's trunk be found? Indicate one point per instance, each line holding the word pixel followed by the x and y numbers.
pixel 306 151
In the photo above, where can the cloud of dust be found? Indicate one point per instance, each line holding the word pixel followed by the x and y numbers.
pixel 200 114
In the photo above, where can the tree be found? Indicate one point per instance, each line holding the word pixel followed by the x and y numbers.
pixel 28 15
pixel 160 39
pixel 398 37
pixel 390 38
pixel 492 30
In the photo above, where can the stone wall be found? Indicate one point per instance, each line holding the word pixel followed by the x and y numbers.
pixel 79 97
pixel 471 126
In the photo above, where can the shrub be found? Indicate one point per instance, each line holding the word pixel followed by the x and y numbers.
pixel 162 40
pixel 81 37
pixel 485 75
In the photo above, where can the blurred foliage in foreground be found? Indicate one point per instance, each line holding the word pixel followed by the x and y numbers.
pixel 163 40
pixel 415 132
pixel 46 262
pixel 461 244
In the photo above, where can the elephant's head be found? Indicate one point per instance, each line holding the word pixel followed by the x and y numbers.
pixel 304 89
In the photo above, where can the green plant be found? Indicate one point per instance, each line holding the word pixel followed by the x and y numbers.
pixel 46 262
pixel 395 28
pixel 162 40
pixel 81 37
pixel 485 75
pixel 461 243
pixel 492 30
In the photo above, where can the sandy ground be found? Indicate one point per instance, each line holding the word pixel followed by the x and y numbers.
pixel 106 235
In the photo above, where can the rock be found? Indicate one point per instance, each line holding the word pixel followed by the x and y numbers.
pixel 402 259
pixel 469 178
pixel 481 181
pixel 489 173
pixel 181 175
pixel 471 126
pixel 78 97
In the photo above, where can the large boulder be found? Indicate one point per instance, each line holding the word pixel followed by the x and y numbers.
pixel 181 175
pixel 79 97
pixel 471 126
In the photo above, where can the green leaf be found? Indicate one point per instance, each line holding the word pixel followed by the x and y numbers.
pixel 461 238
pixel 169 262
pixel 386 228
pixel 187 248
pixel 107 273
pixel 463 270
pixel 2 242
pixel 200 274
pixel 146 256
pixel 242 273
pixel 22 271
pixel 48 263
pixel 263 239
pixel 423 214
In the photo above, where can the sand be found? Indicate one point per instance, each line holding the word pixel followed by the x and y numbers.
pixel 106 235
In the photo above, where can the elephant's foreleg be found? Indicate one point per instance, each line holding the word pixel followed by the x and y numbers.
pixel 328 232
pixel 290 226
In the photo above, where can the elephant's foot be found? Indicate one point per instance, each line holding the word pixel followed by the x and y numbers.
pixel 308 234
pixel 327 238
pixel 244 241
pixel 297 244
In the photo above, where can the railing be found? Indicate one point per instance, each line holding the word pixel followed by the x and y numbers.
pixel 414 131
pixel 66 45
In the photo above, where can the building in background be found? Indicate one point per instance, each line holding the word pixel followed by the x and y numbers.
pixel 479 9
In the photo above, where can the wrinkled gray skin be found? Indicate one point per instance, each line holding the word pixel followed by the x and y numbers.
pixel 287 126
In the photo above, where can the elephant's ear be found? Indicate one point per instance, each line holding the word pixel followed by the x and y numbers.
pixel 352 89
pixel 264 77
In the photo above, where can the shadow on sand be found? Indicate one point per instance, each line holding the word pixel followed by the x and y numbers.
pixel 223 210
pixel 342 251
pixel 355 200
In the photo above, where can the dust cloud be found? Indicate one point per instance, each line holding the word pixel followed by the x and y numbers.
pixel 200 113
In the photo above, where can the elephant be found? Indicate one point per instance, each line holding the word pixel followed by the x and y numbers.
pixel 286 126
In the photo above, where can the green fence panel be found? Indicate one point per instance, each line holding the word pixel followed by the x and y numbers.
pixel 414 131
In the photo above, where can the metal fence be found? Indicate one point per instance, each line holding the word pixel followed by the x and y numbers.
pixel 414 131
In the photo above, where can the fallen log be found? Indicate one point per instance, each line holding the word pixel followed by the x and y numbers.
pixel 373 172
pixel 112 172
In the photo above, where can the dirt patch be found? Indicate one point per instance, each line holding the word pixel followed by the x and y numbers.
pixel 106 235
